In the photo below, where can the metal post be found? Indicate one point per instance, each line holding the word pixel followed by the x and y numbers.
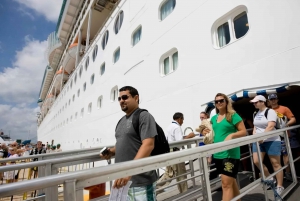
pixel 79 194
pixel 47 172
pixel 290 155
pixel 252 163
pixel 203 184
pixel 262 170
pixel 78 48
pixel 88 31
pixel 70 190
pixel 191 164
pixel 206 179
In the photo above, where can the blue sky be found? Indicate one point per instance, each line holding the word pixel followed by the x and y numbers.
pixel 25 26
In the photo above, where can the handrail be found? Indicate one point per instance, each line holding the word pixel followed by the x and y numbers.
pixel 98 175
pixel 83 156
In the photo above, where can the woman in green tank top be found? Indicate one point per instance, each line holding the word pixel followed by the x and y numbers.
pixel 227 125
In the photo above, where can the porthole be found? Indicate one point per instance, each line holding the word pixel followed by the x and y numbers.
pixel 95 51
pixel 92 79
pixel 119 21
pixel 105 40
pixel 87 62
pixel 102 69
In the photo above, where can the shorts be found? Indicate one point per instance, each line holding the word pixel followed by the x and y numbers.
pixel 142 193
pixel 272 148
pixel 227 166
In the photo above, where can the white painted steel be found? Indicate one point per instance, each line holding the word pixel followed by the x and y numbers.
pixel 98 175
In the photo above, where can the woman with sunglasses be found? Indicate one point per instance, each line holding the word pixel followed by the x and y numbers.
pixel 270 146
pixel 227 125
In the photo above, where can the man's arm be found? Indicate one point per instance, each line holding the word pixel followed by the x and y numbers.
pixel 291 122
pixel 191 135
pixel 146 148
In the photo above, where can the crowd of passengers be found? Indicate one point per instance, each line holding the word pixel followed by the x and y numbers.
pixel 225 125
pixel 15 150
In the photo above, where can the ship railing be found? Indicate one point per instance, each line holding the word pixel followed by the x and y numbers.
pixel 74 182
pixel 67 163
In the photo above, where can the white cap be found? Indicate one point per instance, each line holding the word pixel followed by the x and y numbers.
pixel 258 98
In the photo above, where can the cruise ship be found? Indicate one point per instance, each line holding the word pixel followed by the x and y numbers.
pixel 178 53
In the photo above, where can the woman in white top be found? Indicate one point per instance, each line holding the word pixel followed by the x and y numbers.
pixel 264 121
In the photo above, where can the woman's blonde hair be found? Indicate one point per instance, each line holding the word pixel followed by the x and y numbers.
pixel 229 110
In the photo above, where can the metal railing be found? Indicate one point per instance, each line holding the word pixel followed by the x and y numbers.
pixel 75 182
pixel 68 160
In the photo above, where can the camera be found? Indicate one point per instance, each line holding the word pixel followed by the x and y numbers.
pixel 104 151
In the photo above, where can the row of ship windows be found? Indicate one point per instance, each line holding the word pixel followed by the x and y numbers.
pixel 235 27
pixel 113 98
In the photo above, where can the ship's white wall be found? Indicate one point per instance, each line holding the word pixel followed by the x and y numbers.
pixel 268 54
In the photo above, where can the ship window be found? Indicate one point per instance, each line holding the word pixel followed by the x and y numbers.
pixel 230 27
pixel 119 21
pixel 92 79
pixel 241 25
pixel 136 37
pixel 82 112
pixel 169 62
pixel 78 93
pixel 76 115
pixel 90 108
pixel 117 55
pixel 71 84
pixel 114 94
pixel 71 118
pixel 66 105
pixel 95 52
pixel 99 102
pixel 63 108
pixel 68 89
pixel 223 34
pixel 80 71
pixel 87 62
pixel 167 8
pixel 84 86
pixel 69 101
pixel 75 78
pixel 105 40
pixel 102 69
pixel 73 97
pixel 67 120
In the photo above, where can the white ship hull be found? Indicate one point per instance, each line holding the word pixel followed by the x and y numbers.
pixel 266 57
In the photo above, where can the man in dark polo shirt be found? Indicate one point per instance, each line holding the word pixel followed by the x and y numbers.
pixel 129 146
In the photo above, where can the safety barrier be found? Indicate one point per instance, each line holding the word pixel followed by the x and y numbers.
pixel 54 166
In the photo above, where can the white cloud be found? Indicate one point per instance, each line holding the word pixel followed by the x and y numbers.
pixel 21 82
pixel 48 8
pixel 20 85
pixel 19 122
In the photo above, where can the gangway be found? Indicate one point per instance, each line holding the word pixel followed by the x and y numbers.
pixel 75 182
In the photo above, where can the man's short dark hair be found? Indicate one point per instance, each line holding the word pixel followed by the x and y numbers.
pixel 177 115
pixel 133 91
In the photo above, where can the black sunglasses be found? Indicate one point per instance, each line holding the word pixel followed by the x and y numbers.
pixel 123 97
pixel 219 101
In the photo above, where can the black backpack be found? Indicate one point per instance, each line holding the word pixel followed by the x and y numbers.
pixel 161 145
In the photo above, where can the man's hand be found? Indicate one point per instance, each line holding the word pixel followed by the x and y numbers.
pixel 110 154
pixel 119 183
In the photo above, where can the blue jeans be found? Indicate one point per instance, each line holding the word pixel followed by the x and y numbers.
pixel 272 148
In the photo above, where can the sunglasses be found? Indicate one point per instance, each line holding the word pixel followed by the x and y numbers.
pixel 219 101
pixel 123 97
pixel 13 145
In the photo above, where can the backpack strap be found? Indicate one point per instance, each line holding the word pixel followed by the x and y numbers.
pixel 136 120
pixel 266 113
